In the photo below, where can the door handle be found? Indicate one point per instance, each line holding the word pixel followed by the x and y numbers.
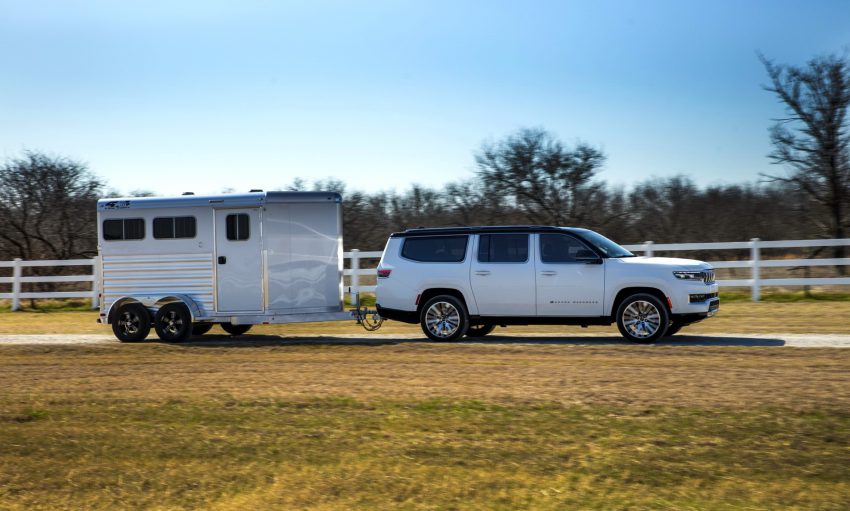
pixel 222 259
pixel 483 273
pixel 548 272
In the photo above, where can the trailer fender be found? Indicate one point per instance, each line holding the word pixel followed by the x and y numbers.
pixel 153 302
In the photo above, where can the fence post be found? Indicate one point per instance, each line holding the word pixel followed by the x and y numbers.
pixel 755 256
pixel 647 248
pixel 95 284
pixel 16 283
pixel 355 270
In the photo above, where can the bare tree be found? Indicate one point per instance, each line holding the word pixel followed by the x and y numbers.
pixel 48 208
pixel 813 140
pixel 540 177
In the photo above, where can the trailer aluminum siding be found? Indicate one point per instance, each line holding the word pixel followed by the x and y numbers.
pixel 292 265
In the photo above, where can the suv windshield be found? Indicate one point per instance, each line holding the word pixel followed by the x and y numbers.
pixel 604 245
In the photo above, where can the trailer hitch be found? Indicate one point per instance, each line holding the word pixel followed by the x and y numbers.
pixel 367 318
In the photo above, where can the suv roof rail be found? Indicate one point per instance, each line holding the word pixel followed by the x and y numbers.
pixel 430 231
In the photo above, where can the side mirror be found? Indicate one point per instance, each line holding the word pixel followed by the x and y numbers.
pixel 587 257
pixel 589 260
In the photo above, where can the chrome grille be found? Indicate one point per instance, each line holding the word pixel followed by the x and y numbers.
pixel 708 276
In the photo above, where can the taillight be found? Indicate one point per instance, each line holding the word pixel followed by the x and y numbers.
pixel 382 274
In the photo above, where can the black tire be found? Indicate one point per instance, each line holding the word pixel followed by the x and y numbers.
pixel 447 316
pixel 479 330
pixel 199 329
pixel 235 329
pixel 173 322
pixel 642 318
pixel 673 329
pixel 131 323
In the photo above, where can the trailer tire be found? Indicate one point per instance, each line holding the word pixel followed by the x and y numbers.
pixel 173 322
pixel 235 329
pixel 444 318
pixel 132 322
pixel 199 329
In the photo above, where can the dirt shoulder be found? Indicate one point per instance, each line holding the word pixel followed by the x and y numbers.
pixel 565 373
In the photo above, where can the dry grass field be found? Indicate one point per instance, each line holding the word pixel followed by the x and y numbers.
pixel 416 425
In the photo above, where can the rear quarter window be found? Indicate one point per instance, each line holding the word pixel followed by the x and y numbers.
pixel 435 249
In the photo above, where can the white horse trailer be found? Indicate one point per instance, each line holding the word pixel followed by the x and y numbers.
pixel 182 264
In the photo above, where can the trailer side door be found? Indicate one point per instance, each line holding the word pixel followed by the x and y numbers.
pixel 238 258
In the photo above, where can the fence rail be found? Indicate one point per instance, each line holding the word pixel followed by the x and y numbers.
pixel 355 272
pixel 755 262
pixel 17 279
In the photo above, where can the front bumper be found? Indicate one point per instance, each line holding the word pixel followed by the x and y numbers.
pixel 696 298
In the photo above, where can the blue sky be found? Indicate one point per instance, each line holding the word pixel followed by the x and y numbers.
pixel 202 96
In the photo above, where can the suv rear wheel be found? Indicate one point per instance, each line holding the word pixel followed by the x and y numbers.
pixel 642 318
pixel 444 318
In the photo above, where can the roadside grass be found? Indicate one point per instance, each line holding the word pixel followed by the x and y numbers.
pixel 49 306
pixel 423 426
pixel 340 453
pixel 786 296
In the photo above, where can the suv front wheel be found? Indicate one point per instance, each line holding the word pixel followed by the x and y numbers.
pixel 642 318
pixel 444 318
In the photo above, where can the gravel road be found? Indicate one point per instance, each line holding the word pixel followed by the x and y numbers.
pixel 766 340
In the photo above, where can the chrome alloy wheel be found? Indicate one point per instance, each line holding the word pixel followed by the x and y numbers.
pixel 171 323
pixel 641 319
pixel 130 323
pixel 442 319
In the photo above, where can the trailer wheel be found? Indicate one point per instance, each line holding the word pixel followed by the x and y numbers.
pixel 132 322
pixel 480 330
pixel 173 322
pixel 235 329
pixel 444 318
pixel 201 328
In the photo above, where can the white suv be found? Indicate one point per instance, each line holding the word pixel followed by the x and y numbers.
pixel 466 281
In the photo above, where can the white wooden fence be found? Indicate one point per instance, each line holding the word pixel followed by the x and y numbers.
pixel 17 279
pixel 754 263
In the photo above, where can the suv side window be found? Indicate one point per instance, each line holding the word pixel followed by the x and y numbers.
pixel 503 248
pixel 560 248
pixel 435 249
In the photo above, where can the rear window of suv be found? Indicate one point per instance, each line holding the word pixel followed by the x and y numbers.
pixel 435 249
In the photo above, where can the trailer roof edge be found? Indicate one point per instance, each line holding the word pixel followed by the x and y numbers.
pixel 232 200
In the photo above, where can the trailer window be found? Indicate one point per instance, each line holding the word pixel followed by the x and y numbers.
pixel 123 229
pixel 503 248
pixel 437 249
pixel 174 227
pixel 238 227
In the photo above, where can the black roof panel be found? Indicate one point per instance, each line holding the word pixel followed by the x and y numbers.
pixel 483 229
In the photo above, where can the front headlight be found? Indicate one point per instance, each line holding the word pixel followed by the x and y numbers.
pixel 689 275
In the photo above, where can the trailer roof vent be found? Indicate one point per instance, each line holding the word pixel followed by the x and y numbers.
pixel 255 190
pixel 188 193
